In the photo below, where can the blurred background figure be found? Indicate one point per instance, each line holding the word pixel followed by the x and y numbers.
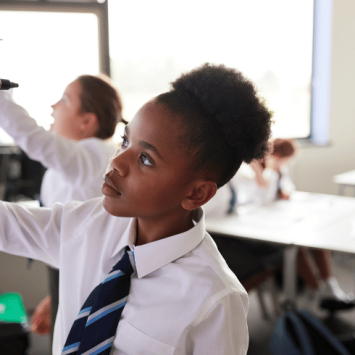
pixel 75 152
pixel 261 183
pixel 274 182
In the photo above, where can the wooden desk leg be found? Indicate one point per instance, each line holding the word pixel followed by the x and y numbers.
pixel 290 273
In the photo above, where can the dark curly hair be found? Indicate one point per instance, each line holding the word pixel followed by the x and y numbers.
pixel 224 122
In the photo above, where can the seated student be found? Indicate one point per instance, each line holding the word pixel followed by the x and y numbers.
pixel 75 154
pixel 255 183
pixel 262 182
pixel 251 261
pixel 272 182
pixel 169 289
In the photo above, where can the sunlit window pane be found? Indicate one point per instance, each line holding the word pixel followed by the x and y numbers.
pixel 270 41
pixel 43 53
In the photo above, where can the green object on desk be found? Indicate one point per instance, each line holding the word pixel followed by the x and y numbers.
pixel 12 309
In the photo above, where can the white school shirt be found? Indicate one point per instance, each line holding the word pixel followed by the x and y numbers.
pixel 183 297
pixel 251 192
pixel 241 182
pixel 75 168
pixel 248 191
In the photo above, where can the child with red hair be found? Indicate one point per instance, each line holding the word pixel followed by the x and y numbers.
pixel 284 150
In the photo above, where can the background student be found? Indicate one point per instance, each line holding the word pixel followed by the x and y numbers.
pixel 181 298
pixel 262 182
pixel 272 181
pixel 75 152
pixel 251 261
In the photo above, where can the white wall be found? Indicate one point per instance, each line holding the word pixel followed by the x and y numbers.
pixel 315 166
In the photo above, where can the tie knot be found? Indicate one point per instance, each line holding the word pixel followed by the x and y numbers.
pixel 127 263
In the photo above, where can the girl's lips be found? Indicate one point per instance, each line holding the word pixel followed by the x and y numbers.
pixel 107 190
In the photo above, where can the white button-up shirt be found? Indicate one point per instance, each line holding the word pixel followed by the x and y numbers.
pixel 183 298
pixel 75 168
pixel 248 191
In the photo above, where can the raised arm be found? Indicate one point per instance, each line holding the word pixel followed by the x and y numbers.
pixel 31 232
pixel 73 159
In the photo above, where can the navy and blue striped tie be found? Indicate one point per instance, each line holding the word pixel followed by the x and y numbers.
pixel 95 327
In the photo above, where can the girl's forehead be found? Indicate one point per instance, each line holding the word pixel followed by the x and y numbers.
pixel 155 117
pixel 154 122
pixel 74 88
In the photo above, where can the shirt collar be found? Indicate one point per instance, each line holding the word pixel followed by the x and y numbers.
pixel 122 239
pixel 152 256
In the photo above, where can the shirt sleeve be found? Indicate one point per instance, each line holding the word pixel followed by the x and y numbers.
pixel 72 159
pixel 286 183
pixel 31 232
pixel 268 194
pixel 223 330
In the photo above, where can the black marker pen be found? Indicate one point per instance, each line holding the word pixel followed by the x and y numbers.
pixel 7 84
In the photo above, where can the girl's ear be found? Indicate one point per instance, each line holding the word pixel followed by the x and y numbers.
pixel 200 193
pixel 89 124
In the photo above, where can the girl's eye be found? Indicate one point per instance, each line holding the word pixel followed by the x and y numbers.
pixel 124 142
pixel 145 160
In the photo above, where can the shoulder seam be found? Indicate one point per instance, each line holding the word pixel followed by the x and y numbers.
pixel 226 286
pixel 211 302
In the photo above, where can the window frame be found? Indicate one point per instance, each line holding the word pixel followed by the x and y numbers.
pixel 321 53
pixel 99 9
pixel 321 74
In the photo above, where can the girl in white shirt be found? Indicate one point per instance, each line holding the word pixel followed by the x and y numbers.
pixel 177 151
pixel 75 152
pixel 261 183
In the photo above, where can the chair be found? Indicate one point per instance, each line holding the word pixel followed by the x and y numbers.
pixel 5 153
pixel 20 176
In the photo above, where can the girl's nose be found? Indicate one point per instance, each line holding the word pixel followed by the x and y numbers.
pixel 54 105
pixel 119 163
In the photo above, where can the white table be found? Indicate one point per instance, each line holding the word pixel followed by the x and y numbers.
pixel 307 219
pixel 345 180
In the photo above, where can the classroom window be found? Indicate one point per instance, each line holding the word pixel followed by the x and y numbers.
pixel 153 42
pixel 44 56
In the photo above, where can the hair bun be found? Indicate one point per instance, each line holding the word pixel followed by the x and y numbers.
pixel 231 100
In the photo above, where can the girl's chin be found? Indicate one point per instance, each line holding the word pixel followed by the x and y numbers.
pixel 111 207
